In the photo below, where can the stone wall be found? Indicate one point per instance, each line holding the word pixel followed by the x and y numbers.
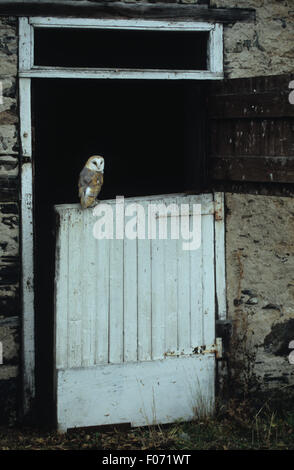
pixel 260 288
pixel 9 223
pixel 263 48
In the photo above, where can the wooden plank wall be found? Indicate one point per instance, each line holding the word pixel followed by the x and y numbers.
pixel 251 130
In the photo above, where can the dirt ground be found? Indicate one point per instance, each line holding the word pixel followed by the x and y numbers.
pixel 238 426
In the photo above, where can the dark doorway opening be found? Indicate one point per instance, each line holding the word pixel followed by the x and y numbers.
pixel 151 134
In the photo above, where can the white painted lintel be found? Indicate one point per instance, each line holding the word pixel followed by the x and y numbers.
pixel 131 24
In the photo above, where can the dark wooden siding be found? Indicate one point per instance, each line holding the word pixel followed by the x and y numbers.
pixel 251 130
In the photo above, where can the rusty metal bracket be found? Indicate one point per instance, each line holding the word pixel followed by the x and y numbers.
pixel 215 348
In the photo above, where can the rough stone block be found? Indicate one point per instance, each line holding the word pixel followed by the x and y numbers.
pixel 8 139
pixel 8 165
pixel 9 301
pixel 8 46
pixel 9 336
pixel 9 403
pixel 9 230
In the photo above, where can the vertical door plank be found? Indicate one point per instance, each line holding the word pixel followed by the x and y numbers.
pixel 74 343
pixel 196 295
pixel 130 299
pixel 61 291
pixel 102 301
pixel 171 278
pixel 158 295
pixel 75 271
pixel 88 249
pixel 144 289
pixel 183 285
pixel 171 290
pixel 116 301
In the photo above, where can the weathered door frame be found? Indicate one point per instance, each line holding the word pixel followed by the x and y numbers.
pixel 27 71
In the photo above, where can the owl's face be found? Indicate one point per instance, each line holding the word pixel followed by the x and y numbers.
pixel 95 163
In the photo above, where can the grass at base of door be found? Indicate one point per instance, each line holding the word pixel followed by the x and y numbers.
pixel 238 425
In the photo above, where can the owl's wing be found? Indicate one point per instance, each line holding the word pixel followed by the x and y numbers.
pixel 90 184
pixel 100 180
pixel 85 177
pixel 85 180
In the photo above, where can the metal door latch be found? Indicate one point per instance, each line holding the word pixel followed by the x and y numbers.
pixel 216 348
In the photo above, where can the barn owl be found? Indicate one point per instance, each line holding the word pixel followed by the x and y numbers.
pixel 91 181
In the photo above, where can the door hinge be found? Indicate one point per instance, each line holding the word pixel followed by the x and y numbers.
pixel 216 348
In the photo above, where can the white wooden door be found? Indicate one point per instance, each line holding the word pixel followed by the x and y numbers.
pixel 135 318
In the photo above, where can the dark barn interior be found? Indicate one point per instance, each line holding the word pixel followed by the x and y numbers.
pixel 119 48
pixel 151 134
